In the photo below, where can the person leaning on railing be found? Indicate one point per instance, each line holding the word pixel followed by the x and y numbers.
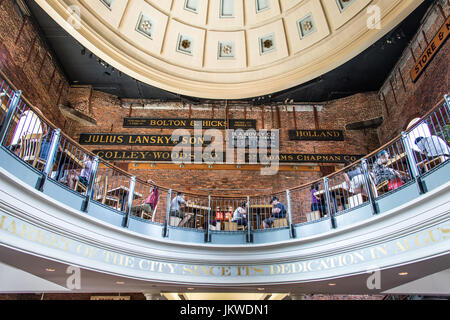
pixel 278 212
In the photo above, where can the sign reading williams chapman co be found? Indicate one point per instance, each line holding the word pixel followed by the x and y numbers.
pixel 167 156
pixel 187 123
pixel 140 139
pixel 429 53
pixel 319 135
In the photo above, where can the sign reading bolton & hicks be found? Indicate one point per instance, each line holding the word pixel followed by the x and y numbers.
pixel 187 123
pixel 429 53
pixel 140 139
pixel 319 135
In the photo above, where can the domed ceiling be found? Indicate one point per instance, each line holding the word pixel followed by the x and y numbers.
pixel 227 49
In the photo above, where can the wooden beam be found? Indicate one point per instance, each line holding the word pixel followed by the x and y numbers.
pixel 262 117
pixel 24 20
pixel 316 118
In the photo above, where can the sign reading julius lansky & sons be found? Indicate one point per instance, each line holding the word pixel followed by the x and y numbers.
pixel 318 135
pixel 187 123
pixel 141 139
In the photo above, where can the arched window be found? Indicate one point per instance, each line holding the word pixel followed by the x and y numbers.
pixel 421 130
pixel 29 123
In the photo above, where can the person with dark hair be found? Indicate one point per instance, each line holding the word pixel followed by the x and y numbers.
pixel 278 211
pixel 381 171
pixel 316 202
pixel 240 215
pixel 432 146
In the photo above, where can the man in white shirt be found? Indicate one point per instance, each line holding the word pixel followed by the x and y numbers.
pixel 240 215
pixel 433 146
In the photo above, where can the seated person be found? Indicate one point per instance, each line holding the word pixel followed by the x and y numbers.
pixel 240 216
pixel 278 211
pixel 316 201
pixel 382 172
pixel 81 176
pixel 433 147
pixel 175 209
pixel 355 181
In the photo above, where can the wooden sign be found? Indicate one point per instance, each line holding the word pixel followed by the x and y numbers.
pixel 311 158
pixel 167 156
pixel 140 139
pixel 318 135
pixel 187 123
pixel 253 139
pixel 430 52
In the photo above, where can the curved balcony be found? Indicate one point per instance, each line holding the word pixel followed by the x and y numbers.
pixel 392 214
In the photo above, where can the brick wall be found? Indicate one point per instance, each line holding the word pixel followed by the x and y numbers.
pixel 404 100
pixel 109 112
pixel 29 65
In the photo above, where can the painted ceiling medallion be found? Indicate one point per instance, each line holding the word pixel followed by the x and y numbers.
pixel 226 50
pixel 184 44
pixel 267 43
pixel 145 26
pixel 306 26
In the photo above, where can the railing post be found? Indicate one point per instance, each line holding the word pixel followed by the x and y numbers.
pixel 166 223
pixel 249 222
pixel 50 158
pixel 368 185
pixel 129 200
pixel 415 174
pixel 328 200
pixel 207 234
pixel 89 187
pixel 447 100
pixel 14 104
pixel 289 209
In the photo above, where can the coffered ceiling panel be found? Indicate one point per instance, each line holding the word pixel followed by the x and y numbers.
pixel 306 25
pixel 192 12
pixel 145 26
pixel 226 49
pixel 164 5
pixel 226 14
pixel 109 11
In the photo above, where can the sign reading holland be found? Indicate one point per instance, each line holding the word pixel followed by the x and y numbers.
pixel 319 135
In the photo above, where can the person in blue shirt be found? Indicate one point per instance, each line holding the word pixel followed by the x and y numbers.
pixel 278 212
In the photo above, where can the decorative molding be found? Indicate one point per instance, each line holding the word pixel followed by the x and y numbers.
pixel 298 53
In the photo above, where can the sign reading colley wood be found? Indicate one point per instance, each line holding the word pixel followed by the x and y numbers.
pixel 168 156
pixel 319 135
pixel 140 139
pixel 429 53
pixel 187 123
